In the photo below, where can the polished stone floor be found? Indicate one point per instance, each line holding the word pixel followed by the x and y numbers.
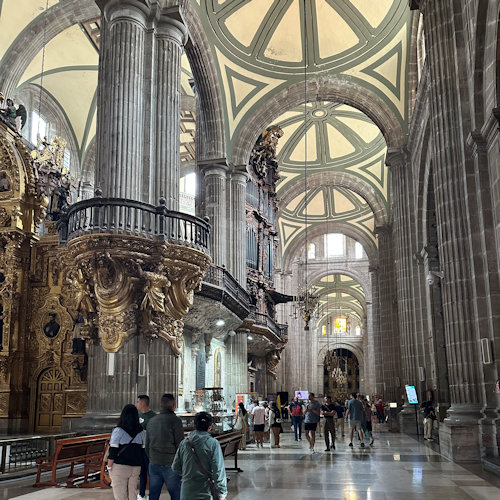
pixel 397 467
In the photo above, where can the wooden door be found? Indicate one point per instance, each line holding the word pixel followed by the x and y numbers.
pixel 49 401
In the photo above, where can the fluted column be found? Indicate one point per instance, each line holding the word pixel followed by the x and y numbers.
pixel 459 437
pixel 238 360
pixel 215 207
pixel 120 144
pixel 170 36
pixel 373 356
pixel 238 182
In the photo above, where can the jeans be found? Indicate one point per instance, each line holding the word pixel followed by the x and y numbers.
pixel 143 478
pixel 297 427
pixel 159 474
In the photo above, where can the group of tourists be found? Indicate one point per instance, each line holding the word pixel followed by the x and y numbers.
pixel 145 443
pixel 265 421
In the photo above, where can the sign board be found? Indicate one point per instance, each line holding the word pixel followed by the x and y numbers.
pixel 411 394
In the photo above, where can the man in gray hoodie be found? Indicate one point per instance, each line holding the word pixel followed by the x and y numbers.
pixel 164 435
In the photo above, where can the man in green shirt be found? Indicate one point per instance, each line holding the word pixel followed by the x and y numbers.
pixel 145 415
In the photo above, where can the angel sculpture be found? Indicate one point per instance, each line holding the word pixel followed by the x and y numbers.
pixel 11 113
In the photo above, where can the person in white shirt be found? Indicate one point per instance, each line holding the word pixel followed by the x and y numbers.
pixel 258 420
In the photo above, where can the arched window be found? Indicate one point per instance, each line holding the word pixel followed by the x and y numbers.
pixel 358 330
pixel 187 193
pixel 39 128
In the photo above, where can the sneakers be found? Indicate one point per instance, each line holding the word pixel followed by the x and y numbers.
pixel 362 445
pixel 139 497
pixel 327 449
pixel 350 445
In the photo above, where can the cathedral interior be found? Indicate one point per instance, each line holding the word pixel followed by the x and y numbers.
pixel 233 200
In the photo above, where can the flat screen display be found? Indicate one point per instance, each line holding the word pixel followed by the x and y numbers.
pixel 411 393
pixel 302 394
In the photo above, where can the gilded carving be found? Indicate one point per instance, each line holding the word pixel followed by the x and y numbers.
pixel 76 402
pixel 4 404
pixel 4 217
pixel 128 284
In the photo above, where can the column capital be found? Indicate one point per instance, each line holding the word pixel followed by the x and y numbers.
pixel 477 143
pixel 396 157
pixel 135 10
pixel 214 167
pixel 239 174
pixel 169 27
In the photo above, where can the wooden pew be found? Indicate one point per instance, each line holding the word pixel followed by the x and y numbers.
pixel 86 450
pixel 230 443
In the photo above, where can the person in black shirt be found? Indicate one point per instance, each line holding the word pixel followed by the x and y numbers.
pixel 429 417
pixel 340 409
pixel 330 414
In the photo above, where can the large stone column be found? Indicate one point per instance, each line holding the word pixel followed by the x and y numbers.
pixel 120 127
pixel 373 370
pixel 238 267
pixel 459 436
pixel 215 207
pixel 170 36
pixel 238 361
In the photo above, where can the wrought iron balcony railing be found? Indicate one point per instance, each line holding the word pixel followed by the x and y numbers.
pixel 220 285
pixel 118 215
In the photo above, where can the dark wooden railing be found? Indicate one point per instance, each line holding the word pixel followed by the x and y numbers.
pixel 261 319
pixel 117 215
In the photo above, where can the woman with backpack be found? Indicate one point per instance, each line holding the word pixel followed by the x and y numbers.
pixel 297 414
pixel 126 454
pixel 274 418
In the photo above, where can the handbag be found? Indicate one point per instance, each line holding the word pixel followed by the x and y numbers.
pixel 210 482
pixel 238 425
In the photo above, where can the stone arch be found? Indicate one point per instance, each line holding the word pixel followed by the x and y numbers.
pixel 210 138
pixel 41 30
pixel 342 179
pixel 344 305
pixel 347 290
pixel 412 76
pixel 316 275
pixel 332 227
pixel 324 88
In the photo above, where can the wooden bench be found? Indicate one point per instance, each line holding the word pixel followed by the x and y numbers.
pixel 86 450
pixel 230 444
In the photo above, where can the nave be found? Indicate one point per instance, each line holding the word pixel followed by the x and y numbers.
pixel 396 467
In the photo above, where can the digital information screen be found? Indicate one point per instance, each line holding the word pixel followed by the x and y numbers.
pixel 411 393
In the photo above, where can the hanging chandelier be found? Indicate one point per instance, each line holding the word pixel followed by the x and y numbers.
pixel 334 364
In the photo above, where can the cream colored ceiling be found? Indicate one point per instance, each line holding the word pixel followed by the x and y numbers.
pixel 340 295
pixel 328 137
pixel 263 46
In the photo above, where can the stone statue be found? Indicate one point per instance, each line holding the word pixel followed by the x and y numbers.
pixel 11 113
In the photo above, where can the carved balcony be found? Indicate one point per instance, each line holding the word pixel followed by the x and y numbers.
pixel 132 267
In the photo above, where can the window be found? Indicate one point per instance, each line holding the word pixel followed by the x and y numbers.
pixel 334 245
pixel 67 159
pixel 188 184
pixel 311 251
pixel 358 330
pixel 358 250
pixel 340 325
pixel 323 329
pixel 38 127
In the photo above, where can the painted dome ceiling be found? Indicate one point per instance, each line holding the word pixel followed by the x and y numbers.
pixel 336 142
pixel 340 295
pixel 263 46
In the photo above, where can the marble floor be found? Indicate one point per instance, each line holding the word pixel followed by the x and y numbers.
pixel 397 467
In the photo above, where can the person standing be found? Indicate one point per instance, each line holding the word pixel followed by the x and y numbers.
pixel 354 413
pixel 275 424
pixel 163 437
pixel 242 418
pixel 126 452
pixel 258 421
pixel 145 415
pixel 200 462
pixel 366 421
pixel 313 415
pixel 340 409
pixel 380 411
pixel 330 415
pixel 297 414
pixel 429 417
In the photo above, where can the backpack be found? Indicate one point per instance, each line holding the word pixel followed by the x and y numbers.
pixel 296 410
